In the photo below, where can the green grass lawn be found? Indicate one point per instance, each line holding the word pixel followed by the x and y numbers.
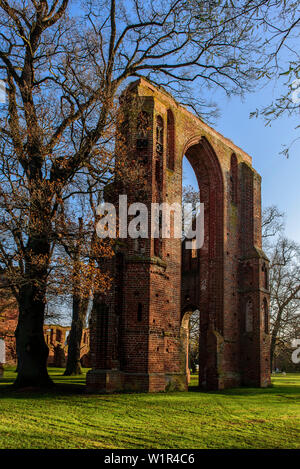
pixel 69 418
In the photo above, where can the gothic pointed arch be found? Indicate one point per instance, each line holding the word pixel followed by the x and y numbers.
pixel 202 157
pixel 170 140
pixel 233 178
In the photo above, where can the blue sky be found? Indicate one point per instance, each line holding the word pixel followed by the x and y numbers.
pixel 280 184
pixel 280 176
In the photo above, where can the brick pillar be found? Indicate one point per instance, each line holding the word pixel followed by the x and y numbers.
pixel 254 289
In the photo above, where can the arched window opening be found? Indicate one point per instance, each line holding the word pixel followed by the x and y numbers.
pixel 119 282
pixel 170 141
pixel 266 316
pixel 265 276
pixel 190 338
pixel 233 178
pixel 159 150
pixel 142 130
pixel 140 312
pixel 136 245
pixel 191 196
pixel 67 337
pixel 158 245
pixel 58 335
pixel 157 170
pixel 159 135
pixel 194 249
pixel 249 316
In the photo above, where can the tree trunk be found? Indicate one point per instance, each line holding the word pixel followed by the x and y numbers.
pixel 274 338
pixel 32 350
pixel 272 351
pixel 80 307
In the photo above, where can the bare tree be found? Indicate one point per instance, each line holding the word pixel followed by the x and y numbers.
pixel 284 280
pixel 82 270
pixel 272 222
pixel 280 60
pixel 63 75
pixel 194 335
pixel 272 226
pixel 285 292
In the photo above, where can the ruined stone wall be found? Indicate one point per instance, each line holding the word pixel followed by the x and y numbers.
pixel 145 319
pixel 56 338
pixel 8 324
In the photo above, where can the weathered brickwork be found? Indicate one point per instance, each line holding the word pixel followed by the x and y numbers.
pixel 138 330
pixel 56 338
pixel 8 324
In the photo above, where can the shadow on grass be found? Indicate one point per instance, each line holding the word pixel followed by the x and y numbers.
pixel 5 381
pixel 289 386
pixel 63 385
pixel 65 390
pixel 8 391
pixel 245 391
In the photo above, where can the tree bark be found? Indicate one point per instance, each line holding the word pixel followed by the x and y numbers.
pixel 79 316
pixel 32 350
pixel 80 306
pixel 274 338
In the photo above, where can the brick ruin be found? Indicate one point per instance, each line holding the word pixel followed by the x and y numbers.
pixel 8 320
pixel 139 329
pixel 8 324
pixel 55 335
pixel 55 338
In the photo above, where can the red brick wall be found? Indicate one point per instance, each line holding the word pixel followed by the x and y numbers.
pixel 54 334
pixel 57 335
pixel 144 320
pixel 8 324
